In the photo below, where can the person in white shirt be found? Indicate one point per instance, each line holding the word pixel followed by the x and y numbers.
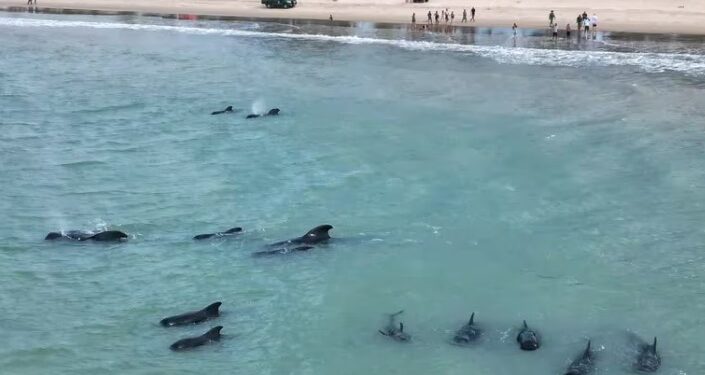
pixel 555 31
pixel 594 23
pixel 586 24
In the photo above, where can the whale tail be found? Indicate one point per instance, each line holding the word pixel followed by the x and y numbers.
pixel 472 319
pixel 213 333
pixel 233 230
pixel 653 347
pixel 212 309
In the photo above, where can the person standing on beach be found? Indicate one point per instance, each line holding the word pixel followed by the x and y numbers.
pixel 443 14
pixel 436 17
pixel 447 17
pixel 452 17
pixel 472 14
pixel 567 31
pixel 579 23
pixel 430 18
pixel 465 16
pixel 514 29
pixel 29 2
pixel 413 20
pixel 551 18
pixel 555 31
pixel 594 23
pixel 586 24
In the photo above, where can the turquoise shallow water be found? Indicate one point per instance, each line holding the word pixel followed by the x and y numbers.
pixel 562 187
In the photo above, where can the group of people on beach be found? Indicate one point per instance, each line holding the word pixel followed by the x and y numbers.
pixel 583 21
pixel 448 17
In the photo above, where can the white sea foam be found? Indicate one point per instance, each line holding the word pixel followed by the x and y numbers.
pixel 692 64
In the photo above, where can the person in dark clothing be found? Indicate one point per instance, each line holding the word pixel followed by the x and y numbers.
pixel 472 14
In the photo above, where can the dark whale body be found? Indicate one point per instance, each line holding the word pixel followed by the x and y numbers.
pixel 228 109
pixel 77 235
pixel 394 331
pixel 467 333
pixel 584 364
pixel 192 342
pixel 228 232
pixel 271 112
pixel 528 339
pixel 648 359
pixel 193 317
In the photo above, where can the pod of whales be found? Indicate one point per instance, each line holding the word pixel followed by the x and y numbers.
pixel 394 331
pixel 228 232
pixel 271 112
pixel 193 317
pixel 467 333
pixel 77 235
pixel 583 364
pixel 648 359
pixel 528 339
pixel 192 342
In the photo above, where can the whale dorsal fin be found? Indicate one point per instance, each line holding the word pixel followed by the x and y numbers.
pixel 587 350
pixel 212 309
pixel 401 327
pixel 525 325
pixel 214 333
pixel 472 319
pixel 653 347
pixel 234 230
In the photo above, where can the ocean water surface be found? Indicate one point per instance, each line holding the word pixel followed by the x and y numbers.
pixel 564 186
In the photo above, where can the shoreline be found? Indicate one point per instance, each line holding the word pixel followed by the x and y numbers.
pixel 348 12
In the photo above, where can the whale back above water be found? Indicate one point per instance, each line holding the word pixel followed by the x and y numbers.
pixel 77 235
pixel 192 342
pixel 394 331
pixel 193 317
pixel 528 339
pixel 314 236
pixel 228 232
pixel 648 359
pixel 468 333
pixel 584 364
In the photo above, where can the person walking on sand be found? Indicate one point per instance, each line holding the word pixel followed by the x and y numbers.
pixel 472 14
pixel 551 18
pixel 567 31
pixel 465 16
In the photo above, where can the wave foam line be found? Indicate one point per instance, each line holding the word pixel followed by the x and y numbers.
pixel 650 62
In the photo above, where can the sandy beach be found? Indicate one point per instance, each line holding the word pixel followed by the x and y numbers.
pixel 645 16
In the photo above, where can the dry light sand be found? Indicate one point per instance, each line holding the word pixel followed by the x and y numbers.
pixel 649 16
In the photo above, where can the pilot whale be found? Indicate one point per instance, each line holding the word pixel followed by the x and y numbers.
pixel 192 342
pixel 78 235
pixel 193 317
